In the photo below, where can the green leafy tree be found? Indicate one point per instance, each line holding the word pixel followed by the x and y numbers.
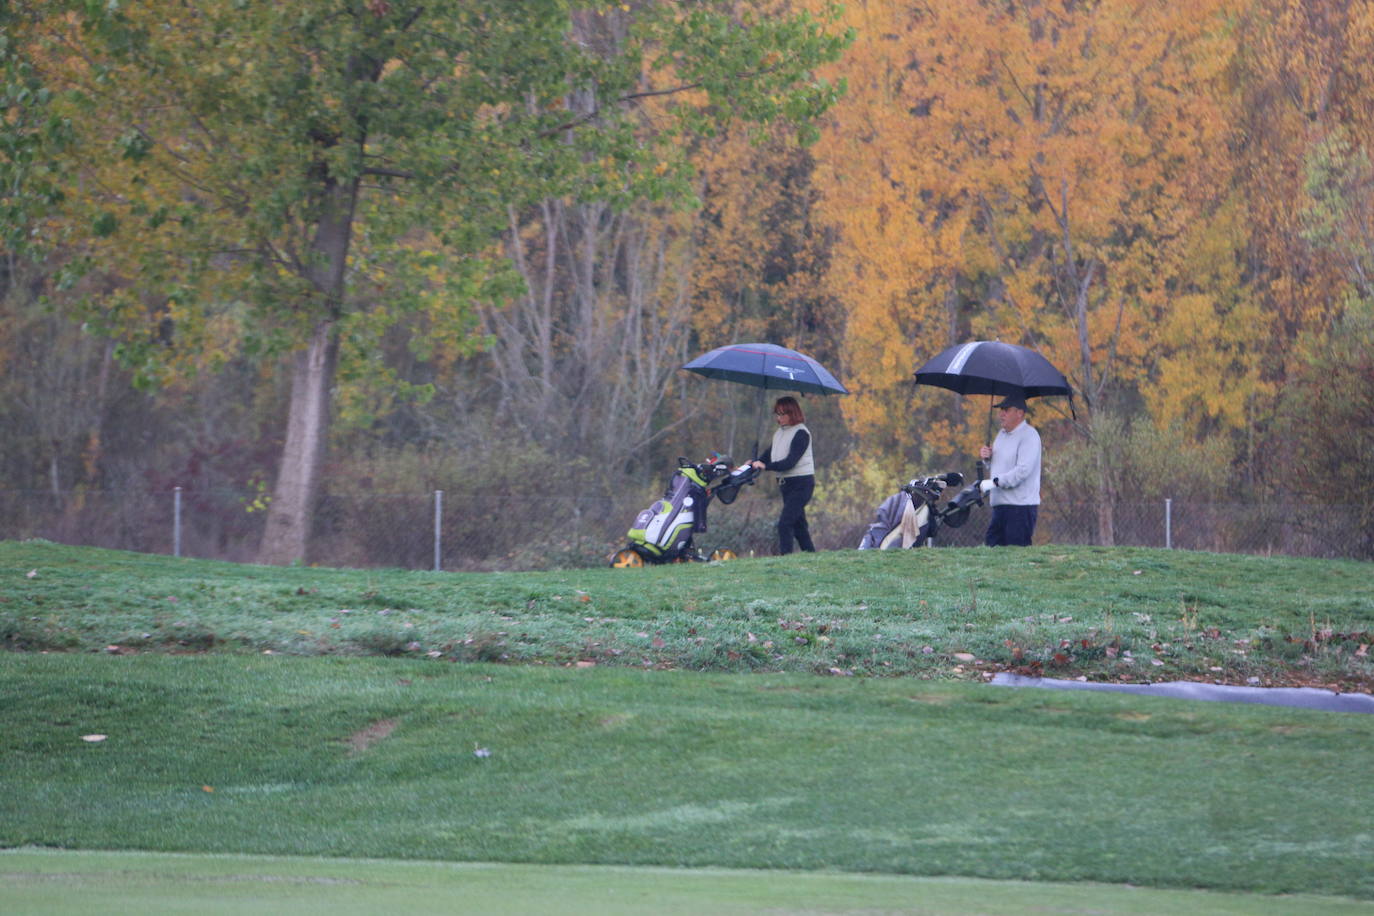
pixel 33 135
pixel 293 178
pixel 52 377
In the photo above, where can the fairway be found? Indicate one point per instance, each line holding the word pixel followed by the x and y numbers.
pixel 375 758
pixel 48 883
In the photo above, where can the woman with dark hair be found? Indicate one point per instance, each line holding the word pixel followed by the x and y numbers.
pixel 790 456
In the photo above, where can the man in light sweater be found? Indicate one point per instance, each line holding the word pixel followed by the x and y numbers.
pixel 1013 484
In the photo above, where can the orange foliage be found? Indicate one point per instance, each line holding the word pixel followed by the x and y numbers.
pixel 1033 172
pixel 1304 74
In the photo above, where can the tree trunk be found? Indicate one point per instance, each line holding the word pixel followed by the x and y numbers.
pixel 289 515
pixel 1106 507
pixel 291 511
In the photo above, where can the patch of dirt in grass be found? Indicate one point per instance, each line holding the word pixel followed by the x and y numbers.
pixel 364 738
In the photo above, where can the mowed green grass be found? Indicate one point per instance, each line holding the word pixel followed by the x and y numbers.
pixel 79 883
pixel 378 758
pixel 679 739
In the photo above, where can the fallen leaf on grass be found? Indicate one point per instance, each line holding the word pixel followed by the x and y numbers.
pixel 210 789
pixel 964 656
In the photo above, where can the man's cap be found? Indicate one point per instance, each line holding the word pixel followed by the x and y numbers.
pixel 1012 400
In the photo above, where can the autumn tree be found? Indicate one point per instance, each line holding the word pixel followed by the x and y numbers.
pixel 1305 121
pixel 758 274
pixel 290 178
pixel 583 360
pixel 1033 172
pixel 1325 414
pixel 53 378
pixel 897 224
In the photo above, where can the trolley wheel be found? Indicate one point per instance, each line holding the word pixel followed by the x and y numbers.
pixel 724 553
pixel 626 558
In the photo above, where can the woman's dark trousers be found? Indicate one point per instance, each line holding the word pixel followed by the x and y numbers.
pixel 796 493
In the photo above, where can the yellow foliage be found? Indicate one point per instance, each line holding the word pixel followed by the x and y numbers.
pixel 1297 85
pixel 1018 172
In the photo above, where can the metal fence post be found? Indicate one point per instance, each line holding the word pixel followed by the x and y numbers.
pixel 176 522
pixel 438 528
pixel 1168 524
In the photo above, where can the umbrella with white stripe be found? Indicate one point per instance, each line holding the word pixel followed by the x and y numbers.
pixel 993 367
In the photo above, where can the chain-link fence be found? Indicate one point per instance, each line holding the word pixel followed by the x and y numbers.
pixel 538 529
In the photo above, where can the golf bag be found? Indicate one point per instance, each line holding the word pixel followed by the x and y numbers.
pixel 663 533
pixel 897 523
pixel 911 518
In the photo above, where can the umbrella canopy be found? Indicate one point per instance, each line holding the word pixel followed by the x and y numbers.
pixel 765 365
pixel 993 367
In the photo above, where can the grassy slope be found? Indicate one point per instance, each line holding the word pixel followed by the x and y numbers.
pixel 1123 613
pixel 246 752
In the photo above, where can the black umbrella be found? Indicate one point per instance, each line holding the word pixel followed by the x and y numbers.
pixel 766 366
pixel 995 368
